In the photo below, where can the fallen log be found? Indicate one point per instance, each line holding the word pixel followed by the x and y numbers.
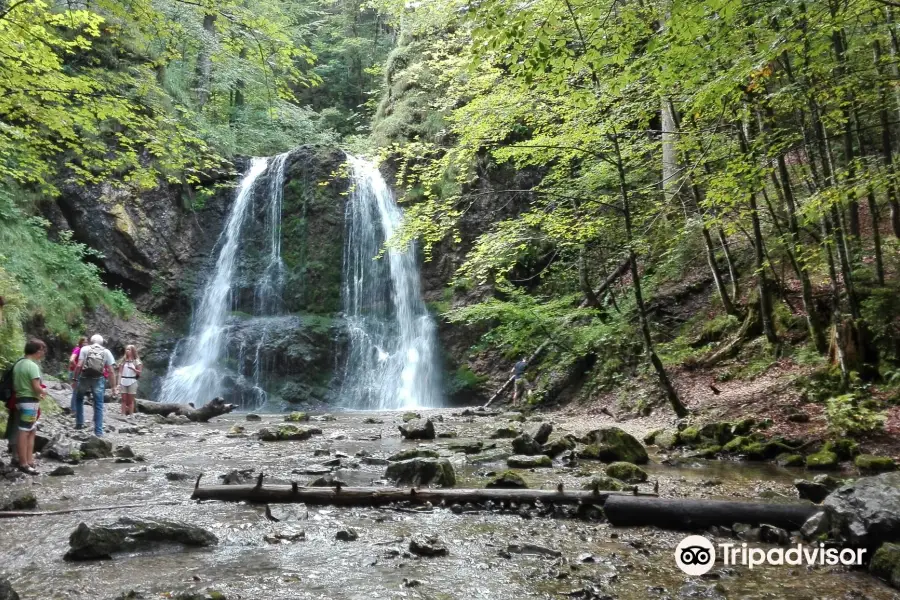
pixel 679 514
pixel 213 408
pixel 374 496
pixel 17 514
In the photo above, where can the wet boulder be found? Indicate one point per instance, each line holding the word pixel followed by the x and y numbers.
pixel 558 446
pixel 92 542
pixel 235 477
pixel 626 472
pixel 666 439
pixel 507 480
pixel 124 452
pixel 413 453
pixel 346 535
pixel 866 513
pixel 505 433
pixel 428 547
pixel 869 463
pixel 521 461
pixel 543 433
pixel 604 483
pixel 296 417
pixel 527 445
pixel 822 460
pixel 417 429
pixel 885 564
pixel 6 590
pixel 817 489
pixel 17 499
pixel 472 447
pixel 287 433
pixel 422 471
pixel 612 444
pixel 62 471
pixel 96 447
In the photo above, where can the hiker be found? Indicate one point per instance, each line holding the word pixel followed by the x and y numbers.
pixel 28 390
pixel 130 368
pixel 93 363
pixel 73 363
pixel 518 373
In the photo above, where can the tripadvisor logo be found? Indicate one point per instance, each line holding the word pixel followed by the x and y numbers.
pixel 696 555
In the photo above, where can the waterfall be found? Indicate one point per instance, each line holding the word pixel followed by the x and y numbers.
pixel 195 373
pixel 391 357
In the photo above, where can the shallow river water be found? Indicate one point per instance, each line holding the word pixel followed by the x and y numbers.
pixel 625 563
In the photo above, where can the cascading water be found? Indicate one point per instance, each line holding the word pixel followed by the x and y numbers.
pixel 391 356
pixel 195 371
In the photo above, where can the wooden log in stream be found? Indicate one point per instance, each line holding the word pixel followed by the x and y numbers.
pixel 213 408
pixel 18 514
pixel 374 496
pixel 692 515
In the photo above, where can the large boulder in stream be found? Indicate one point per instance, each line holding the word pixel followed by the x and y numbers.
pixel 422 471
pixel 885 564
pixel 866 513
pixel 96 448
pixel 6 590
pixel 527 445
pixel 418 429
pixel 287 433
pixel 91 542
pixel 611 444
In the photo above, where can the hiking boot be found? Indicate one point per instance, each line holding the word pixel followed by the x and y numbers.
pixel 29 470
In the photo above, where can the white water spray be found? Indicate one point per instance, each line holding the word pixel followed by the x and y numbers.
pixel 392 358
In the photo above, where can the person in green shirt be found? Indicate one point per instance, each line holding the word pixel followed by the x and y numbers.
pixel 27 386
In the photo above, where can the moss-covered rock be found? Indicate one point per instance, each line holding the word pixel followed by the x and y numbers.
pixel 410 416
pixel 422 471
pixel 736 445
pixel 529 462
pixel 284 433
pixel 710 451
pixel 689 436
pixel 507 480
pixel 557 446
pixel 743 427
pixel 296 417
pixel 603 483
pixel 95 448
pixel 870 463
pixel 845 448
pixel 413 453
pixel 786 459
pixel 627 472
pixel 17 499
pixel 822 460
pixel 650 438
pixel 666 440
pixel 885 564
pixel 613 444
pixel 717 433
pixel 505 433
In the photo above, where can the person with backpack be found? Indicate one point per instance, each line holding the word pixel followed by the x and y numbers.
pixel 93 362
pixel 26 381
pixel 130 369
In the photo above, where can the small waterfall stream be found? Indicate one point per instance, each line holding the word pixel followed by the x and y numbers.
pixel 392 357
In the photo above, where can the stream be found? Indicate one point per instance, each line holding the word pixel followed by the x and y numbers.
pixel 597 560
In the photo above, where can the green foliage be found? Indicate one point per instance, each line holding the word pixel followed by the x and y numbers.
pixel 47 282
pixel 847 416
pixel 464 379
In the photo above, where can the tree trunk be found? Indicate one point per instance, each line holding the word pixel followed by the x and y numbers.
pixel 732 270
pixel 204 60
pixel 681 514
pixel 213 408
pixel 887 151
pixel 672 395
pixel 375 496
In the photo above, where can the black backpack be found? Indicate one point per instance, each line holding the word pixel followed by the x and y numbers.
pixel 7 391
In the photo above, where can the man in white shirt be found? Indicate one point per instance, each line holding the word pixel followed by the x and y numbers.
pixel 95 363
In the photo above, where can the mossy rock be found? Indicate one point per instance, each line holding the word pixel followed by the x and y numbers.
pixel 822 460
pixel 410 416
pixel 507 480
pixel 743 427
pixel 710 451
pixel 689 436
pixel 845 449
pixel 529 462
pixel 296 417
pixel 870 463
pixel 505 433
pixel 718 433
pixel 613 445
pixel 413 453
pixel 736 445
pixel 666 440
pixel 885 564
pixel 284 433
pixel 422 471
pixel 786 459
pixel 557 446
pixel 603 483
pixel 650 438
pixel 627 472
pixel 17 499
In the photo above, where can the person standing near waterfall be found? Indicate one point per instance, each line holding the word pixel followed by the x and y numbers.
pixel 518 373
pixel 93 361
pixel 129 372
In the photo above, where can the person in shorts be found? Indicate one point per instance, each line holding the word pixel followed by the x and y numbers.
pixel 129 372
pixel 29 391
pixel 518 373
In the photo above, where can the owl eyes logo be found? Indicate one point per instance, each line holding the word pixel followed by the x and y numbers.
pixel 695 555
